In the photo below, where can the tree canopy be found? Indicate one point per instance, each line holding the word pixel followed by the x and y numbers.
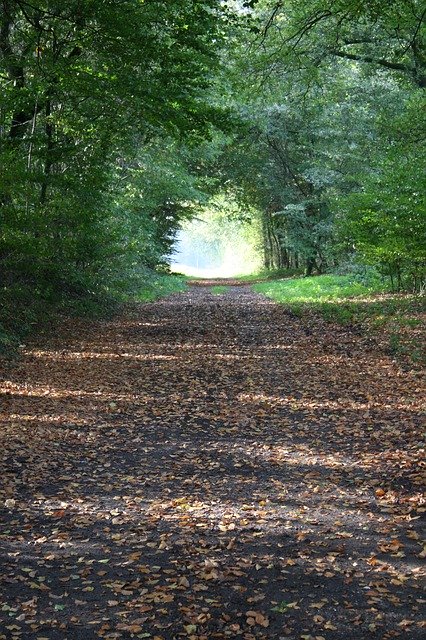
pixel 118 121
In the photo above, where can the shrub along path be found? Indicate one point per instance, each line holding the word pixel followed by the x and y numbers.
pixel 208 467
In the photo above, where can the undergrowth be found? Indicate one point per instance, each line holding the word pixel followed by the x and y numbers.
pixel 161 285
pixel 270 274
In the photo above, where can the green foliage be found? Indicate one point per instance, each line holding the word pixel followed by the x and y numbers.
pixel 270 274
pixel 160 286
pixel 8 342
pixel 333 149
pixel 387 36
pixel 101 107
pixel 281 607
pixel 315 290
pixel 120 122
pixel 385 221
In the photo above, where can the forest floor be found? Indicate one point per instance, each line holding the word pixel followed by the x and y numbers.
pixel 210 467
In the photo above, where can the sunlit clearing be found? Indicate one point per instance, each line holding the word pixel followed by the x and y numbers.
pixel 221 242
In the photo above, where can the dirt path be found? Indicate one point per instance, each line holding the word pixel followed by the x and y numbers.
pixel 209 467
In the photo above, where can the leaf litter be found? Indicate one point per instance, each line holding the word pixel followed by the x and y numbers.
pixel 208 467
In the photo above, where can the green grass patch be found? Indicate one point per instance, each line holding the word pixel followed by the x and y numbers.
pixel 397 318
pixel 269 274
pixel 219 289
pixel 315 290
pixel 161 285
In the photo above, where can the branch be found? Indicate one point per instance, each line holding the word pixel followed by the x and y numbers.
pixel 270 21
pixel 417 30
pixel 357 41
pixel 398 66
pixel 307 26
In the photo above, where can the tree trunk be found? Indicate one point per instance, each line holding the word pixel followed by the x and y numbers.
pixel 310 266
pixel 49 148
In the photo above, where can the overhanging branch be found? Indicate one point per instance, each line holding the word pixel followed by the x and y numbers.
pixel 398 66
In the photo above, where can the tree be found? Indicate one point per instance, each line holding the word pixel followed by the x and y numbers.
pixel 384 219
pixel 82 86
pixel 320 142
pixel 388 35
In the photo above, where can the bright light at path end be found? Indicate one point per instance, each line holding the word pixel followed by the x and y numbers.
pixel 221 259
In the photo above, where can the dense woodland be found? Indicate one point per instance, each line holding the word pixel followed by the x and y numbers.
pixel 120 120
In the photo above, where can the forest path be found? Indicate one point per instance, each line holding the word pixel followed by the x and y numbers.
pixel 209 467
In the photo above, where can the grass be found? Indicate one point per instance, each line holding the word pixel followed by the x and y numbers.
pixel 219 289
pixel 317 288
pixel 398 319
pixel 267 274
pixel 160 286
